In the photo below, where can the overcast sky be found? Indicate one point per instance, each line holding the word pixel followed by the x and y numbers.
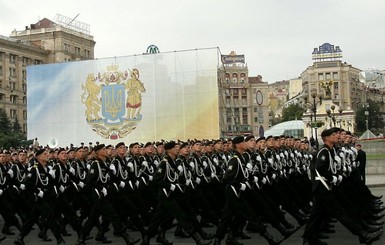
pixel 277 37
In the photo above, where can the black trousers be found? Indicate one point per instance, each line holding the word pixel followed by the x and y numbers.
pixel 327 205
pixel 234 206
pixel 41 208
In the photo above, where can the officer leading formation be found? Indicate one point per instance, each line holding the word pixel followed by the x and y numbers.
pixel 236 187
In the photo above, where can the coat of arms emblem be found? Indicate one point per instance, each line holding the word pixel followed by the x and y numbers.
pixel 113 102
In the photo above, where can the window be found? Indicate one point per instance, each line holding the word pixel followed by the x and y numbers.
pixel 67 47
pixel 24 100
pixel 12 72
pixel 327 76
pixel 2 96
pixel 1 71
pixel 87 53
pixel 335 76
pixel 77 50
pixel 335 85
pixel 12 113
pixel 320 76
pixel 255 119
pixel 12 58
pixel 25 115
pixel 24 128
pixel 13 99
pixel 37 62
pixel 13 85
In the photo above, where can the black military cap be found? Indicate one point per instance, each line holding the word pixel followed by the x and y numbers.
pixel 238 139
pixel 183 144
pixel 269 137
pixel 134 144
pixel 169 145
pixel 39 152
pixel 148 144
pixel 260 138
pixel 119 145
pixel 327 132
pixel 249 137
pixel 98 147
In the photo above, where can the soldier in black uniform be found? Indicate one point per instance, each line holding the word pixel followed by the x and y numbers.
pixel 235 179
pixel 166 179
pixel 40 191
pixel 325 202
pixel 97 183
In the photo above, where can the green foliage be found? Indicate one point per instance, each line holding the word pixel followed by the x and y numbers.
pixel 375 121
pixel 10 133
pixel 292 112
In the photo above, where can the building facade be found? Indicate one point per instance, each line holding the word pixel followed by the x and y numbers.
pixel 41 43
pixel 243 100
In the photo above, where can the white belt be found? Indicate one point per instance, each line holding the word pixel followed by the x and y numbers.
pixel 323 180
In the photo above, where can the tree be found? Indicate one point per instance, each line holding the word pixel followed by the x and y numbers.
pixel 292 112
pixel 375 121
pixel 5 123
pixel 16 128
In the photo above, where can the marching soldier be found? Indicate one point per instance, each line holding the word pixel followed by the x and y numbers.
pixel 40 191
pixel 97 183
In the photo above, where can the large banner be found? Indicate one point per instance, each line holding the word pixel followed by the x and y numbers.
pixel 140 98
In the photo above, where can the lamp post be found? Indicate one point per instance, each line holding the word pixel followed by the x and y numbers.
pixel 340 110
pixel 312 109
pixel 331 115
pixel 366 116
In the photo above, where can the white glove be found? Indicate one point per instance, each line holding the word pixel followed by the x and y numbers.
pixel 188 182
pixel 172 187
pixel 180 169
pixel 22 187
pixel 259 158
pixel 104 191
pixel 340 178
pixel 274 176
pixel 61 188
pixel 150 178
pixel 264 180
pixel 243 187
pixel 113 169
pixel 192 165
pixel 130 166
pixel 10 172
pixel 334 181
pixel 52 172
pixel 349 169
pixel 212 175
pixel 49 167
pixel 156 163
pixel 144 163
pixel 88 166
pixel 270 160
pixel 40 194
pixel 1 192
pixel 81 184
pixel 281 155
pixel 72 170
pixel 278 157
pixel 292 155
pixel 337 159
pixel 122 184
pixel 255 179
pixel 249 166
pixel 354 164
pixel 198 180
pixel 137 183
pixel 215 160
pixel 286 154
pixel 204 164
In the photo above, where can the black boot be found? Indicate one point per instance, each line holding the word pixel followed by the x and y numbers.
pixel 369 238
pixel 128 239
pixel 217 241
pixel 19 240
pixel 231 239
pixel 180 233
pixel 198 239
pixel 43 235
pixel 285 231
pixel 101 238
pixel 205 235
pixel 80 242
pixel 162 238
pixel 2 237
pixel 270 239
pixel 60 241
pixel 7 231
pixel 145 240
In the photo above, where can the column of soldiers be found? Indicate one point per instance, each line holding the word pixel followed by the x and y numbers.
pixel 340 193
pixel 236 185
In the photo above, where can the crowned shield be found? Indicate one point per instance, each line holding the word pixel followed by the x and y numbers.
pixel 113 103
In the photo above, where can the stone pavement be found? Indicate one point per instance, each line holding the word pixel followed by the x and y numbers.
pixel 374 180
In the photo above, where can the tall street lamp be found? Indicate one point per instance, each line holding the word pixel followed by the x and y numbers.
pixel 366 116
pixel 316 100
pixel 340 110
pixel 331 115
